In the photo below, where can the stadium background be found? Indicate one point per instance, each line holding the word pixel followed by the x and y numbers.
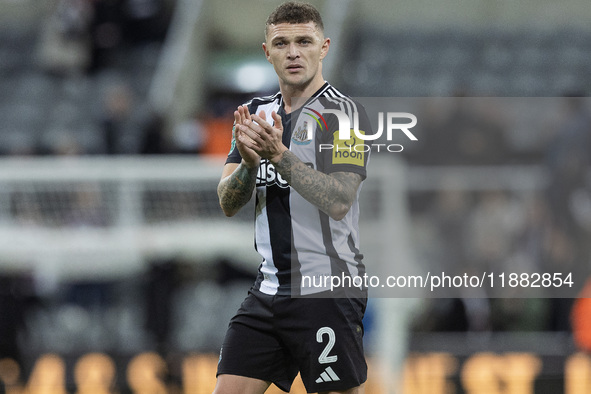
pixel 117 273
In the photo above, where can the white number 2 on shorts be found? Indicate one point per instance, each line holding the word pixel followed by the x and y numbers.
pixel 324 357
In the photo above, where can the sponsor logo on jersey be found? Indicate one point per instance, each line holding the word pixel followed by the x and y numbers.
pixel 304 134
pixel 268 175
pixel 350 151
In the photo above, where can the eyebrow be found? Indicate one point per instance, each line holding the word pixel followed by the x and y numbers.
pixel 297 38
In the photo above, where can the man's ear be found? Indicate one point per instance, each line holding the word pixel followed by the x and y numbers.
pixel 325 46
pixel 266 52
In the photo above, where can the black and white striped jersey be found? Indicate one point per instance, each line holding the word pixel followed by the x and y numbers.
pixel 295 238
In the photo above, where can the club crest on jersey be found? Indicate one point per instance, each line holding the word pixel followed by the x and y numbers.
pixel 351 151
pixel 303 134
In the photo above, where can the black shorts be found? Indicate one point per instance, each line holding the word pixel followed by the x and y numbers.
pixel 272 338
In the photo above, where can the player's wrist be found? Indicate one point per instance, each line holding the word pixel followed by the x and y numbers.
pixel 278 156
pixel 250 165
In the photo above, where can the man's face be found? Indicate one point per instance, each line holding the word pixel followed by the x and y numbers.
pixel 295 51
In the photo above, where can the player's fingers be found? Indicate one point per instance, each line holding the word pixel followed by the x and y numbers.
pixel 246 113
pixel 238 116
pixel 277 120
pixel 242 111
pixel 266 126
pixel 247 130
pixel 247 142
pixel 252 125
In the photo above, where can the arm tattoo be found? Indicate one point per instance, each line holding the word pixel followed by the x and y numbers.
pixel 235 190
pixel 332 194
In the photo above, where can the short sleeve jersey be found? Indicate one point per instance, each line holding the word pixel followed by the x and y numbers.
pixel 295 239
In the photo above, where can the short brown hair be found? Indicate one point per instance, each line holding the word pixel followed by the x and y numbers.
pixel 292 12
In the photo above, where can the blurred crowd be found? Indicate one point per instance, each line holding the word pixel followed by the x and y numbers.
pixel 512 229
pixel 82 35
pixel 78 85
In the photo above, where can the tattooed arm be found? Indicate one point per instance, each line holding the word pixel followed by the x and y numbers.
pixel 332 193
pixel 238 180
pixel 236 187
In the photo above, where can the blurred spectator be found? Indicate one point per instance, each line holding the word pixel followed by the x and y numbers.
pixel 153 138
pixel 74 16
pixel 562 254
pixel 116 22
pixel 520 314
pixel 581 318
pixel 12 319
pixel 15 299
pixel 491 227
pixel 560 250
pixel 162 282
pixel 466 136
pixel 444 315
pixel 65 39
pixel 455 315
pixel 190 135
pixel 218 134
pixel 449 212
pixel 120 123
pixel 146 20
pixel 106 31
pixel 568 160
pixel 527 252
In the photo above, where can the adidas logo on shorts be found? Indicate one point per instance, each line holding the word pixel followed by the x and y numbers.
pixel 328 376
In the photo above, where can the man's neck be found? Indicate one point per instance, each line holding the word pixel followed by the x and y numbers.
pixel 293 95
